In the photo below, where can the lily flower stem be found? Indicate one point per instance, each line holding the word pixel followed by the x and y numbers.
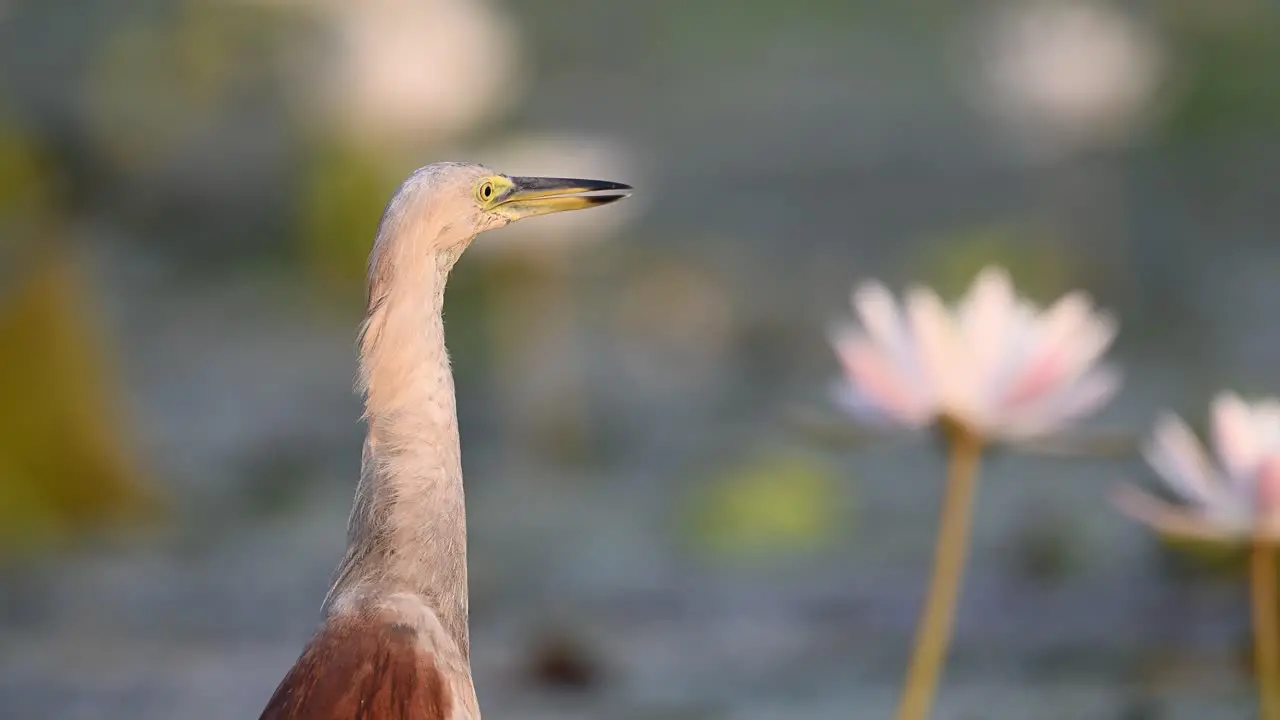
pixel 1266 654
pixel 936 621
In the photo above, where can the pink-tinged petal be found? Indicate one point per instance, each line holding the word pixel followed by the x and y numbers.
pixel 989 303
pixel 1071 340
pixel 1172 521
pixel 1094 339
pixel 883 321
pixel 877 380
pixel 1083 347
pixel 878 310
pixel 1084 396
pixel 942 357
pixel 1266 422
pixel 1041 378
pixel 992 287
pixel 1179 458
pixel 1023 339
pixel 1090 392
pixel 1267 501
pixel 987 323
pixel 1061 321
pixel 1235 439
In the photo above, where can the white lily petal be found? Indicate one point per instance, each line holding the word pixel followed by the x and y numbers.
pixel 1173 521
pixel 986 323
pixel 1023 338
pixel 868 411
pixel 1064 317
pixel 1083 396
pixel 1235 440
pixel 887 328
pixel 1071 343
pixel 942 357
pixel 876 379
pixel 1266 419
pixel 1177 456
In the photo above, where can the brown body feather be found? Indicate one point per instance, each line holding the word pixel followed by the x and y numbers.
pixel 358 669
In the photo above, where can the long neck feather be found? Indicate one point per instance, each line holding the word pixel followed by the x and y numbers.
pixel 408 530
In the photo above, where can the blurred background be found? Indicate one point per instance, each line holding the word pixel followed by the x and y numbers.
pixel 666 519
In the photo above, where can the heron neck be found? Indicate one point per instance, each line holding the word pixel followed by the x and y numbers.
pixel 408 526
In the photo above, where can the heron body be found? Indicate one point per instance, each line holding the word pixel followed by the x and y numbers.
pixel 394 641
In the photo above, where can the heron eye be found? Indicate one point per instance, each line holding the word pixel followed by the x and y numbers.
pixel 486 191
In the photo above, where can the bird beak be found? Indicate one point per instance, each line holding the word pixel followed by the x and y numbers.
pixel 530 196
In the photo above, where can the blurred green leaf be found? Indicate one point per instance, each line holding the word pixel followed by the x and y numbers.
pixel 343 195
pixel 64 463
pixel 774 504
pixel 26 179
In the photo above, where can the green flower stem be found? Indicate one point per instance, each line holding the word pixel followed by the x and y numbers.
pixel 934 632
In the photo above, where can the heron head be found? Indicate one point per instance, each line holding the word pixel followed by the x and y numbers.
pixel 441 208
pixel 448 204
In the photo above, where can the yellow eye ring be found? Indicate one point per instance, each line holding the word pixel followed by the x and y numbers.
pixel 485 191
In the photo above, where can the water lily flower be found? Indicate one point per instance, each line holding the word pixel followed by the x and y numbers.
pixel 993 368
pixel 1233 497
pixel 995 364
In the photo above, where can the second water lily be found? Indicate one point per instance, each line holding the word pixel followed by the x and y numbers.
pixel 1233 498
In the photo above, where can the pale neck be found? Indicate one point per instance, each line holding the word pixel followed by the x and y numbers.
pixel 408 526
